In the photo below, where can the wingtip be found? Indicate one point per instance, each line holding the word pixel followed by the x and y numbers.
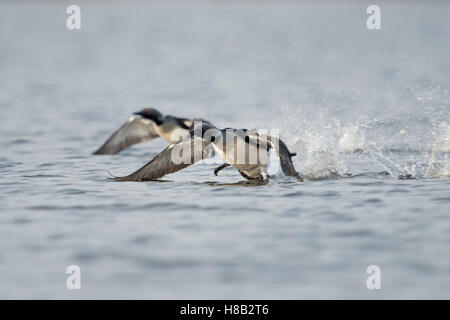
pixel 112 177
pixel 120 179
pixel 102 152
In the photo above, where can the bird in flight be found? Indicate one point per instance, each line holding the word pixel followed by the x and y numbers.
pixel 243 149
pixel 146 125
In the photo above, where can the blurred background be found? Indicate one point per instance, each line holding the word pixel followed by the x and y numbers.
pixel 362 108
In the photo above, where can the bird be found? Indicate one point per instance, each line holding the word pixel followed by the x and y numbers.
pixel 146 125
pixel 243 149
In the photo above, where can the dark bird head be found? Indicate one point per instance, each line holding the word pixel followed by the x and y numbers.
pixel 151 114
pixel 205 130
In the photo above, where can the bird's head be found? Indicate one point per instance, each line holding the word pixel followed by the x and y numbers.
pixel 151 114
pixel 206 131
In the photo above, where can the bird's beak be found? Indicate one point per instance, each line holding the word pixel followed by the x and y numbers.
pixel 138 113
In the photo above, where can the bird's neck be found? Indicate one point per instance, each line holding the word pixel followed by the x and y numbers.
pixel 155 119
pixel 158 120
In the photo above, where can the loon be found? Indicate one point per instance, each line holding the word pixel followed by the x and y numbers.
pixel 149 124
pixel 226 143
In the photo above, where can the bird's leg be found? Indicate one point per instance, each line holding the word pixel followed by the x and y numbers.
pixel 216 170
pixel 246 176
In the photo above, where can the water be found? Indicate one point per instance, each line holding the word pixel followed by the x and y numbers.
pixel 366 111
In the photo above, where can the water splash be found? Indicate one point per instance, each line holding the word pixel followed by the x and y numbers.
pixel 330 145
pixel 439 162
pixel 320 157
pixel 351 139
pixel 388 164
pixel 314 140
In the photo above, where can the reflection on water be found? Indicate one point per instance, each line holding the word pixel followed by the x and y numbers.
pixel 242 183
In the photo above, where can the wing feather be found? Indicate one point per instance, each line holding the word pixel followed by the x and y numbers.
pixel 133 131
pixel 285 157
pixel 172 159
pixel 283 153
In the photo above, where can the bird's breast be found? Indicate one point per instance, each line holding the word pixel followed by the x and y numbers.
pixel 171 132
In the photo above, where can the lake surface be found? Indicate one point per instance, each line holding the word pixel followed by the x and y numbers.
pixel 366 111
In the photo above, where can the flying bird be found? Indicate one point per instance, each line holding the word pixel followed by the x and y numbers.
pixel 148 124
pixel 243 149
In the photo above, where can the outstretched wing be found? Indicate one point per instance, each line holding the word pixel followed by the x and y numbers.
pixel 285 157
pixel 174 158
pixel 283 153
pixel 133 131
